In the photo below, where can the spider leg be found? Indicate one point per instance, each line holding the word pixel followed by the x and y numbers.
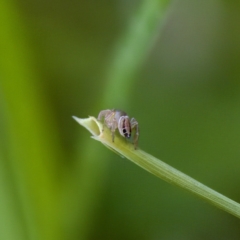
pixel 104 114
pixel 113 128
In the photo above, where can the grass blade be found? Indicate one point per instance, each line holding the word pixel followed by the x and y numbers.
pixel 158 167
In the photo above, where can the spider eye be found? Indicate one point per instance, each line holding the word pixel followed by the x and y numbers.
pixel 126 134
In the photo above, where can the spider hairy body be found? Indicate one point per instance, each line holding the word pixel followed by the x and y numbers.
pixel 117 119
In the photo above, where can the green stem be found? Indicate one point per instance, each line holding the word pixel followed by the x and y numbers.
pixel 158 167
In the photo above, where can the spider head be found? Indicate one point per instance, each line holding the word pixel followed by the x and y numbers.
pixel 124 126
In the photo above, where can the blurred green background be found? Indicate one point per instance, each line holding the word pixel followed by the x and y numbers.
pixel 173 65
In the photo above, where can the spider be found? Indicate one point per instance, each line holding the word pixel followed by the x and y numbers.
pixel 114 119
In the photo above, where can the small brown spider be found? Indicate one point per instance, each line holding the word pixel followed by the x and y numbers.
pixel 114 119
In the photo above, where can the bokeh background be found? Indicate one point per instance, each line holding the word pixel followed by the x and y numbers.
pixel 173 65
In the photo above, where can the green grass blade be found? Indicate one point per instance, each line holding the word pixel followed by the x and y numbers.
pixel 33 148
pixel 157 167
pixel 132 49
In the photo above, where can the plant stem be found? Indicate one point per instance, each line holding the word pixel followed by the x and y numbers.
pixel 158 167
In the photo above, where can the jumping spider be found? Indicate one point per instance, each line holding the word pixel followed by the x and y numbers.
pixel 114 119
